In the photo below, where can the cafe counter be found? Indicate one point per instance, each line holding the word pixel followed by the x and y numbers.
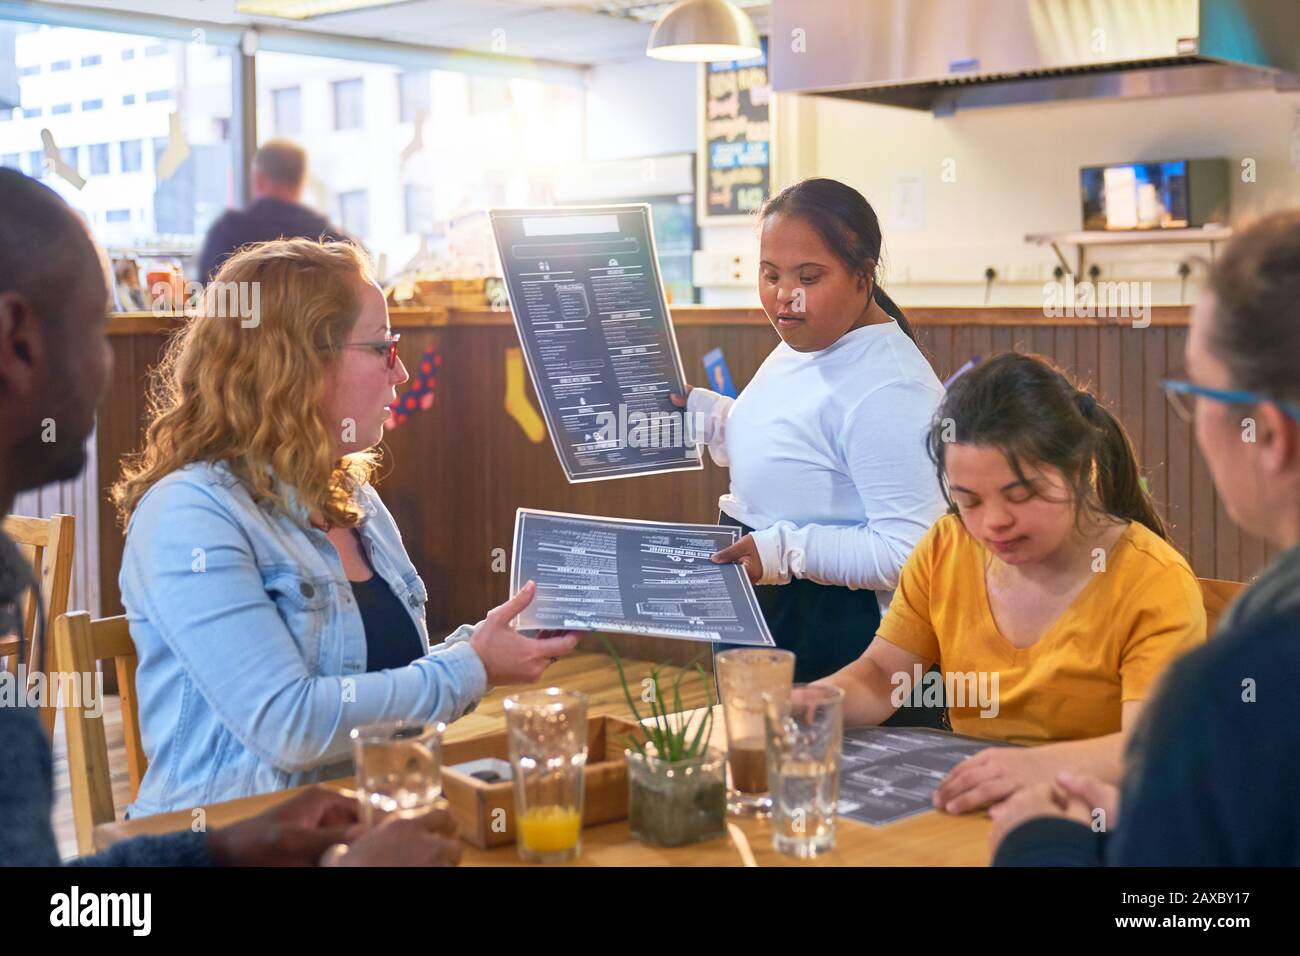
pixel 454 474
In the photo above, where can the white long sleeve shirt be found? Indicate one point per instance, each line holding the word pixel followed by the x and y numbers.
pixel 827 457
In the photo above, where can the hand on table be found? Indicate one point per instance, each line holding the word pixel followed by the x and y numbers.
pixel 427 840
pixel 989 777
pixel 292 833
pixel 1077 797
pixel 746 552
pixel 513 658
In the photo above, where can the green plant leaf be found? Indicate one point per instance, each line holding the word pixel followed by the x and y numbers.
pixel 622 678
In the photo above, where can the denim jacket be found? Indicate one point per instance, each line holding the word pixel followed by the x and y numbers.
pixel 252 653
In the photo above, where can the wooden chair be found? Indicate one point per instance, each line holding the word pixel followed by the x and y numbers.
pixel 1217 596
pixel 81 644
pixel 47 544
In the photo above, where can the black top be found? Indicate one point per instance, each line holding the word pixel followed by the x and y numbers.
pixel 263 221
pixel 391 637
pixel 1212 767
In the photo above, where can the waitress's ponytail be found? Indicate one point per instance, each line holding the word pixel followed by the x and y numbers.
pixel 893 311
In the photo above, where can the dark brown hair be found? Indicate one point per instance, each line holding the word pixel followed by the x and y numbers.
pixel 1256 286
pixel 846 223
pixel 1029 410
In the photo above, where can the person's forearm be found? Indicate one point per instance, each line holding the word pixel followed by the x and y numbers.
pixel 867 692
pixel 1100 757
pixel 853 556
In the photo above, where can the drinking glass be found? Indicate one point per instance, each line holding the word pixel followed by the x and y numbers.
pixel 547 732
pixel 399 768
pixel 805 731
pixel 744 674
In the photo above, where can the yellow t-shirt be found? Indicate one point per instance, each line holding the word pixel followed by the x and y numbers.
pixel 1110 645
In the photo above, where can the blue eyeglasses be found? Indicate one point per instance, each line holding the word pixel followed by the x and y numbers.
pixel 1175 391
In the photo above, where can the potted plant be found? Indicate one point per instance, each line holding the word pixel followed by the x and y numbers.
pixel 677 788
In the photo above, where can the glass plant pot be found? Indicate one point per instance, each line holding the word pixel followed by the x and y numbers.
pixel 675 804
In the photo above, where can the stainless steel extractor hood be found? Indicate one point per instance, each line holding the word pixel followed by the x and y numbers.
pixel 946 55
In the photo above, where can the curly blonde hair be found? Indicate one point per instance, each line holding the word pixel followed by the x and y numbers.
pixel 247 391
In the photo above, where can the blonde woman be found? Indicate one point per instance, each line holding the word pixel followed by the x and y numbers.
pixel 270 598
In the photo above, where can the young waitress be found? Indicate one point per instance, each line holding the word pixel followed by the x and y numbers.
pixel 1053 575
pixel 826 445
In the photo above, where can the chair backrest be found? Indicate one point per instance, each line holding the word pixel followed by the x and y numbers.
pixel 81 644
pixel 47 543
pixel 1217 596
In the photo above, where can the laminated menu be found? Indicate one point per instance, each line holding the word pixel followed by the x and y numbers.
pixel 589 307
pixel 633 577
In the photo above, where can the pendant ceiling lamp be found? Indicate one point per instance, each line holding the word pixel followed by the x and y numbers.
pixel 704 31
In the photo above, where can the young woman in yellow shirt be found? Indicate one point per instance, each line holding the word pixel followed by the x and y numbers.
pixel 1049 596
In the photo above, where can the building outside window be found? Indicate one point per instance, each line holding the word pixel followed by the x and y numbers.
pixel 196 80
pixel 425 209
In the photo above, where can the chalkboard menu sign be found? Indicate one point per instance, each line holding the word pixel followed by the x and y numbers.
pixel 736 170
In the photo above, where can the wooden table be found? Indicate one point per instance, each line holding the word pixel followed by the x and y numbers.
pixel 929 839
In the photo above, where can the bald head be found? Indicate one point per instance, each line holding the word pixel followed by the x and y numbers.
pixel 54 357
pixel 279 169
pixel 46 253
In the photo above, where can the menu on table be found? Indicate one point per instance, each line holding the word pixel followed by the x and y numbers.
pixel 890 773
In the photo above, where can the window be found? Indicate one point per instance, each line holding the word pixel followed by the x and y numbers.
pixel 91 105
pixel 157 96
pixel 413 95
pixel 128 99
pixel 287 107
pixel 117 215
pixel 131 156
pixel 58 66
pixel 60 108
pixel 507 159
pixel 418 203
pixel 6 115
pixel 354 213
pixel 99 159
pixel 128 55
pixel 29 70
pixel 36 163
pixel 31 111
pixel 11 161
pixel 155 49
pixel 93 60
pixel 347 104
pixel 71 155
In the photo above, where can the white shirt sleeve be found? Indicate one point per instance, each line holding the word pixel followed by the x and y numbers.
pixel 883 444
pixel 706 414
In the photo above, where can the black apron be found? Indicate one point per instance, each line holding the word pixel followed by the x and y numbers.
pixel 828 627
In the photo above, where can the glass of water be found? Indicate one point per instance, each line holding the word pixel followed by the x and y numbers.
pixel 399 768
pixel 805 731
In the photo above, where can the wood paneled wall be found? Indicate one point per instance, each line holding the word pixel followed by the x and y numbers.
pixel 455 474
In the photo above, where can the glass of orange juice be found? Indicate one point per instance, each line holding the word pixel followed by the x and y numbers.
pixel 547 733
